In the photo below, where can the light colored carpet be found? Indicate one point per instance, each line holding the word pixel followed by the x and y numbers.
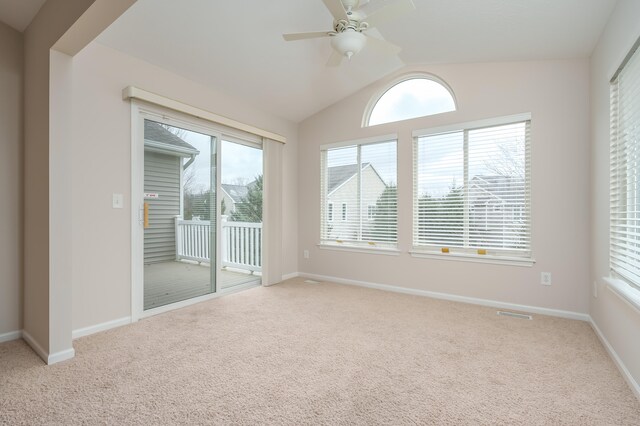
pixel 302 353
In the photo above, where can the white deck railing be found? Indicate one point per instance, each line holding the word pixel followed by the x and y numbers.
pixel 240 243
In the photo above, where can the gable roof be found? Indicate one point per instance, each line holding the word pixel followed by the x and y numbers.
pixel 339 175
pixel 158 137
pixel 504 188
pixel 236 192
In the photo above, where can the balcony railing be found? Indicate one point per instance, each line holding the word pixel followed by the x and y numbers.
pixel 240 243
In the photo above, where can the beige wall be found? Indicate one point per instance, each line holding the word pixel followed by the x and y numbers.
pixel 556 94
pixel 10 180
pixel 51 22
pixel 619 323
pixel 101 163
pixel 47 226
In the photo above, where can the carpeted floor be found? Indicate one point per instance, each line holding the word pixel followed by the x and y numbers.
pixel 323 353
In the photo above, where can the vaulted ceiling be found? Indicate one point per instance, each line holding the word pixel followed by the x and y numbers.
pixel 236 46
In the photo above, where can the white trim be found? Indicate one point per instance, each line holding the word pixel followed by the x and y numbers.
pixel 286 277
pixel 475 258
pixel 137 199
pixel 364 141
pixel 635 387
pixel 472 125
pixel 11 335
pixel 452 297
pixel 46 357
pixel 61 356
pixel 132 92
pixel 86 331
pixel 400 79
pixel 623 290
pixel 194 300
pixel 360 249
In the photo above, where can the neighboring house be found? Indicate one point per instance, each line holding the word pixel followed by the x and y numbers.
pixel 342 198
pixel 164 169
pixel 232 195
pixel 496 203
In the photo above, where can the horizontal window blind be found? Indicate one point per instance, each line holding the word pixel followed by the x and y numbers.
pixel 359 195
pixel 472 191
pixel 625 172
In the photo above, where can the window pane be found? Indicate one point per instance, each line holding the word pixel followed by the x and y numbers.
pixel 342 187
pixel 472 191
pixel 439 185
pixel 416 97
pixel 625 173
pixel 360 182
pixel 379 189
pixel 497 187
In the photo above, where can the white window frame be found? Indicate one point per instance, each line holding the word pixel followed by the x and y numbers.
pixel 624 283
pixel 468 254
pixel 412 76
pixel 362 247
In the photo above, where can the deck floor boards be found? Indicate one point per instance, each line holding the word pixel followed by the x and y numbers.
pixel 170 282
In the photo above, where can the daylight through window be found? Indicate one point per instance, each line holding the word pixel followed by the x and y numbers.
pixel 362 180
pixel 472 191
pixel 411 98
pixel 625 172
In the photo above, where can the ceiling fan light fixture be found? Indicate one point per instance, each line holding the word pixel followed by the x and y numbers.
pixel 348 42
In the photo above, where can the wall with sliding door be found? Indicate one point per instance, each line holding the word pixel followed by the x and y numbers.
pixel 101 151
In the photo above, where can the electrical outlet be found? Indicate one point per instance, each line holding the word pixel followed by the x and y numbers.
pixel 545 278
pixel 306 254
pixel 595 289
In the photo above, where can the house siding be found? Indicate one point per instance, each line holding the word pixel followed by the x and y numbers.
pixel 372 188
pixel 161 176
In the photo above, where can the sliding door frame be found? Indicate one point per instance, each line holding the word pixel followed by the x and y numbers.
pixel 140 111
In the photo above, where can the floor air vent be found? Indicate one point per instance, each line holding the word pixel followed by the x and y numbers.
pixel 515 315
pixel 311 282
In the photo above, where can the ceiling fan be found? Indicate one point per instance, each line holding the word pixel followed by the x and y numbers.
pixel 350 24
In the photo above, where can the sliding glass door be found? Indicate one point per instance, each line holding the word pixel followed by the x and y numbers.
pixel 241 196
pixel 180 214
pixel 201 212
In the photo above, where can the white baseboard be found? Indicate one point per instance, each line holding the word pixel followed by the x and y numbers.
pixel 85 331
pixel 12 335
pixel 46 357
pixel 61 356
pixel 453 297
pixel 635 387
pixel 291 275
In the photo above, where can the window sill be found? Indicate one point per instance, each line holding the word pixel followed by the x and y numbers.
pixel 358 249
pixel 474 258
pixel 624 291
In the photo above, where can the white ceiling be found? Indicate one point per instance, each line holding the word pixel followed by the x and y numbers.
pixel 19 13
pixel 236 46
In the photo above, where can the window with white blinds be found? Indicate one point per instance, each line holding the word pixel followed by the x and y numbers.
pixel 359 195
pixel 625 171
pixel 472 191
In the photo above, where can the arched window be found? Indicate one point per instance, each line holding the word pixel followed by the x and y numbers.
pixel 414 96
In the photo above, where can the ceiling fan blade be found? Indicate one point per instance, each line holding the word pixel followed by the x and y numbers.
pixel 335 59
pixel 389 12
pixel 302 36
pixel 337 9
pixel 383 46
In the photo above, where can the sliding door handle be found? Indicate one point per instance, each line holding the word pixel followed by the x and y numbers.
pixel 146 216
